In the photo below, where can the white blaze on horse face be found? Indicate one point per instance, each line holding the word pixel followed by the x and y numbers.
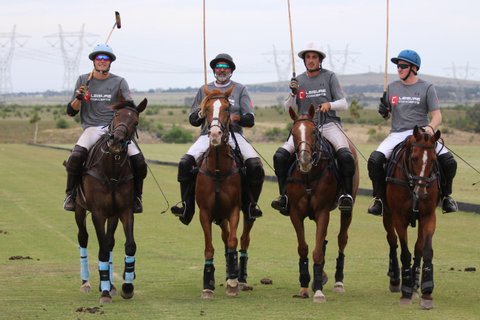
pixel 305 165
pixel 215 132
pixel 424 163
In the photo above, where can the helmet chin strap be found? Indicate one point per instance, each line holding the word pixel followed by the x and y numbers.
pixel 312 70
pixel 410 70
pixel 104 72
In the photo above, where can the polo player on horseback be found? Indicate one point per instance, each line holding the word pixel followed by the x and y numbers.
pixel 92 98
pixel 241 115
pixel 320 87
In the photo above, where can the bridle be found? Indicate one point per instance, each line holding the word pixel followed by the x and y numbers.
pixel 418 181
pixel 121 129
pixel 216 122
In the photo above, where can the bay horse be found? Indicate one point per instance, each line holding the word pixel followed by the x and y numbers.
pixel 412 195
pixel 313 189
pixel 218 196
pixel 107 192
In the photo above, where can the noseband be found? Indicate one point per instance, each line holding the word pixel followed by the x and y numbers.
pixel 311 148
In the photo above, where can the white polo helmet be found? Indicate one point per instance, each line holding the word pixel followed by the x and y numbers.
pixel 312 47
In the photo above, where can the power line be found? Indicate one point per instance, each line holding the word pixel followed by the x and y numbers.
pixel 7 50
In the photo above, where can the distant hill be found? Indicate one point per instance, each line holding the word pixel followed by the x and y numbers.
pixel 366 88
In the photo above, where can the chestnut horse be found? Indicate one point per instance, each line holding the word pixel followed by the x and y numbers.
pixel 107 192
pixel 218 195
pixel 412 194
pixel 313 190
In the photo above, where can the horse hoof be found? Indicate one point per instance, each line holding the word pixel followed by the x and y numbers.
pixel 85 287
pixel 319 297
pixel 113 290
pixel 127 291
pixel 207 294
pixel 338 287
pixel 232 288
pixel 426 304
pixel 245 286
pixel 105 297
pixel 405 301
pixel 394 288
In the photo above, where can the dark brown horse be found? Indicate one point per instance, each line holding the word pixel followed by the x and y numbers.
pixel 412 195
pixel 218 195
pixel 313 190
pixel 107 192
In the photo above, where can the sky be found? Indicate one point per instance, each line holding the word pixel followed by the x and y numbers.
pixel 161 42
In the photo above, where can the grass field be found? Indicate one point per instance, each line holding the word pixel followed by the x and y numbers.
pixel 44 282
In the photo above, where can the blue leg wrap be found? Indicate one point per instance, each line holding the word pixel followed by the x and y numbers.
pixel 84 269
pixel 104 276
pixel 129 273
pixel 110 264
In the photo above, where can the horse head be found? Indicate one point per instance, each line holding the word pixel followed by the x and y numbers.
pixel 421 158
pixel 124 124
pixel 216 108
pixel 303 133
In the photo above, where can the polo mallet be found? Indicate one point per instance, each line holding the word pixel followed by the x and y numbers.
pixel 291 40
pixel 385 76
pixel 117 24
pixel 204 47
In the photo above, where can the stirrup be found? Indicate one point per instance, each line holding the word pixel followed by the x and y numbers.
pixel 254 211
pixel 137 205
pixel 449 205
pixel 376 208
pixel 281 204
pixel 345 203
pixel 179 211
pixel 69 202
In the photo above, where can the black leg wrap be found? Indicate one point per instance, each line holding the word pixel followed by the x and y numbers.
pixel 407 283
pixel 232 264
pixel 317 276
pixel 393 267
pixel 427 278
pixel 416 272
pixel 209 276
pixel 339 267
pixel 129 267
pixel 242 272
pixel 304 274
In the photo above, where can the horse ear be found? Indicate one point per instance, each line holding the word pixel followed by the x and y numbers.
pixel 415 130
pixel 437 135
pixel 311 111
pixel 293 114
pixel 142 105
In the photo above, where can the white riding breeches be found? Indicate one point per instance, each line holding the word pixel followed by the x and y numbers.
pixel 394 138
pixel 200 146
pixel 331 131
pixel 91 135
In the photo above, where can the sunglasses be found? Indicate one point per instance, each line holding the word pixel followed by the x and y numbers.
pixel 222 66
pixel 103 57
pixel 403 66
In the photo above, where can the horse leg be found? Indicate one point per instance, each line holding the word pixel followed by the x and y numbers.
pixel 127 219
pixel 208 268
pixel 82 236
pixel 427 284
pixel 302 249
pixel 322 220
pixel 232 287
pixel 244 244
pixel 393 265
pixel 103 257
pixel 406 259
pixel 342 238
pixel 111 227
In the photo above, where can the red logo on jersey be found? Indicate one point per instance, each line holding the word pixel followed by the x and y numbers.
pixel 301 95
pixel 394 100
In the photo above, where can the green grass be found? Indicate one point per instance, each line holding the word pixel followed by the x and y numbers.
pixel 170 256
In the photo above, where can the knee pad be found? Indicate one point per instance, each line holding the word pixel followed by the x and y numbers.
pixel 185 166
pixel 255 170
pixel 376 164
pixel 346 161
pixel 448 164
pixel 139 165
pixel 281 159
pixel 77 158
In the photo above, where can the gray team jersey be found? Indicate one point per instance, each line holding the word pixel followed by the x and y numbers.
pixel 239 100
pixel 325 87
pixel 411 104
pixel 104 93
